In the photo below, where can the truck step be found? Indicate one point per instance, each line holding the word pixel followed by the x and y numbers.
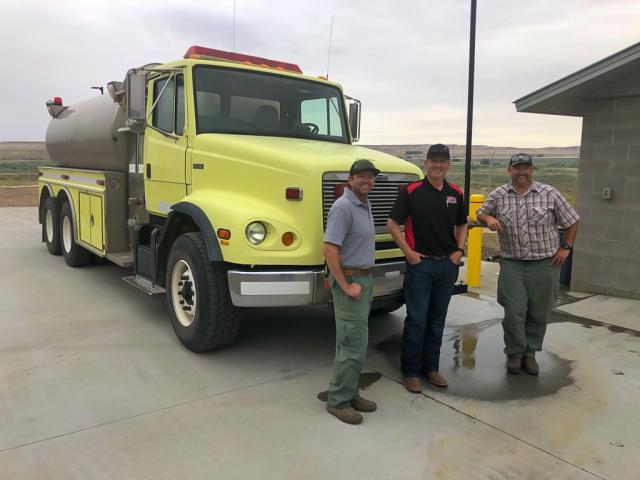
pixel 122 259
pixel 143 284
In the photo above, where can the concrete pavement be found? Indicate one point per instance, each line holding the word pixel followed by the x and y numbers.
pixel 94 385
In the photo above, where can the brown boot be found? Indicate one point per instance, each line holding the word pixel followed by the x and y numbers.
pixel 412 384
pixel 530 365
pixel 363 405
pixel 437 379
pixel 514 363
pixel 346 414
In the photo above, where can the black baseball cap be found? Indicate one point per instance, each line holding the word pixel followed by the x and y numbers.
pixel 362 165
pixel 520 158
pixel 438 150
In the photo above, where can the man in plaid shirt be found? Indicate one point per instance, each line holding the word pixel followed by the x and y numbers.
pixel 526 215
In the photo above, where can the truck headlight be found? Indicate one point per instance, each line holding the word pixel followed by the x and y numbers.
pixel 256 232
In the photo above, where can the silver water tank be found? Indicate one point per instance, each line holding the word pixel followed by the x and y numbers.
pixel 85 136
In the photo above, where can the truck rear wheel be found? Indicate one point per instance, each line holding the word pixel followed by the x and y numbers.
pixel 51 225
pixel 198 299
pixel 73 254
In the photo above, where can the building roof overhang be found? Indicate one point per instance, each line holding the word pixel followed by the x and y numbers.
pixel 615 76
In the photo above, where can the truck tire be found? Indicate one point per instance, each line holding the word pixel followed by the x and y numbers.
pixel 51 225
pixel 198 299
pixel 73 254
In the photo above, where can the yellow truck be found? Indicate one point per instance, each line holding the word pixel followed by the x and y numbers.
pixel 210 178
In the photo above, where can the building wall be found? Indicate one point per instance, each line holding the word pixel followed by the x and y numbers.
pixel 607 251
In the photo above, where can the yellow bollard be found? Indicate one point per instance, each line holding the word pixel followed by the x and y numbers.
pixel 474 243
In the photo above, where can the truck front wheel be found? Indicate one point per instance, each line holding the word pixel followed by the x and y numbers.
pixel 198 299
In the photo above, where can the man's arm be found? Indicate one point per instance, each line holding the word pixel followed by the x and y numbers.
pixel 483 214
pixel 411 255
pixel 569 237
pixel 332 256
pixel 491 222
pixel 461 238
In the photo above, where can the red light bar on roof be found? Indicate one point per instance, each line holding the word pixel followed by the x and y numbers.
pixel 205 53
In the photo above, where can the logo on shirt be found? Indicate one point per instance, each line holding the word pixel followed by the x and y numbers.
pixel 451 200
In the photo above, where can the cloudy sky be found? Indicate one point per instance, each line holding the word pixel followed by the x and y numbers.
pixel 406 60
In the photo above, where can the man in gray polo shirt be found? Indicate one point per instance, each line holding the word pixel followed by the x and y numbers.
pixel 349 249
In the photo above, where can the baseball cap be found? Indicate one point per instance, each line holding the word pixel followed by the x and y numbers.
pixel 438 150
pixel 361 165
pixel 520 158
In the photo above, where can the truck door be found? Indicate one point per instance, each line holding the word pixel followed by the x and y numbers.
pixel 165 146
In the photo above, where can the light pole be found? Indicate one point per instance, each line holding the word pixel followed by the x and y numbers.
pixel 472 53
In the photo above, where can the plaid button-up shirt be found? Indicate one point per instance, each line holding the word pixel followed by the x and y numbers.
pixel 530 221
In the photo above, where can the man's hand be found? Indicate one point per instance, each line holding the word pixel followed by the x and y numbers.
pixel 560 256
pixel 456 257
pixel 414 257
pixel 353 290
pixel 493 223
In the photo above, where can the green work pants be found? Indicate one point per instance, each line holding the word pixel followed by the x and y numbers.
pixel 352 337
pixel 527 289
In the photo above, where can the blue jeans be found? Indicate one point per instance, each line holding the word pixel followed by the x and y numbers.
pixel 428 287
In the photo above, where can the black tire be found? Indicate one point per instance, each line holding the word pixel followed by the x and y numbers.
pixel 51 225
pixel 214 321
pixel 74 254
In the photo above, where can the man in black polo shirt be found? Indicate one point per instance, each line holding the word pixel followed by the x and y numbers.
pixel 435 230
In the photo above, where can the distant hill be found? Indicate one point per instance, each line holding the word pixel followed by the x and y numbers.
pixel 478 151
pixel 23 151
pixel 37 151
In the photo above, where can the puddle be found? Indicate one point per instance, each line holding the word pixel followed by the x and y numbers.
pixel 564 317
pixel 366 380
pixel 473 362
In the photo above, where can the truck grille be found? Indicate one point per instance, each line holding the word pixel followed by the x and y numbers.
pixel 382 196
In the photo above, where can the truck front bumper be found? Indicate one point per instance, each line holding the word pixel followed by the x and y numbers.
pixel 282 288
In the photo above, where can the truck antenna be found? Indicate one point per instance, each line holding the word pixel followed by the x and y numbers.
pixel 234 26
pixel 329 53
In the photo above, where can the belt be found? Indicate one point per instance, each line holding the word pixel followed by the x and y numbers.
pixel 356 271
pixel 437 257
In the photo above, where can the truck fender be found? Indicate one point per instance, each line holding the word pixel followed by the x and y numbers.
pixel 204 225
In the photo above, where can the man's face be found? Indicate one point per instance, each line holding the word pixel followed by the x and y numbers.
pixel 361 183
pixel 437 167
pixel 521 173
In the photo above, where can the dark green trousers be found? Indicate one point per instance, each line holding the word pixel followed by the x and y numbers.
pixel 527 289
pixel 352 338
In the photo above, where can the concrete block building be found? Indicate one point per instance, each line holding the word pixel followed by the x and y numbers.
pixel 607 96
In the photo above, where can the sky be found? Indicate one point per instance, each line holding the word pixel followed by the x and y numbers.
pixel 407 61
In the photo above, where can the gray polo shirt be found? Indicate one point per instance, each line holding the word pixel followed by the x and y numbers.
pixel 350 226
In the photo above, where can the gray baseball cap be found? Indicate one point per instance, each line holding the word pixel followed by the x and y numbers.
pixel 520 158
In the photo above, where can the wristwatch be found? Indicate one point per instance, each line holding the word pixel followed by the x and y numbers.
pixel 567 246
pixel 461 250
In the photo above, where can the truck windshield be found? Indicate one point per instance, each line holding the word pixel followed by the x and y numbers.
pixel 253 103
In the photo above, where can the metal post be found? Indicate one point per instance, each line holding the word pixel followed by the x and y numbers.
pixel 474 243
pixel 472 53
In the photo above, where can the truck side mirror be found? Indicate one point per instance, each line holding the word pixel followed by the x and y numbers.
pixel 354 119
pixel 135 88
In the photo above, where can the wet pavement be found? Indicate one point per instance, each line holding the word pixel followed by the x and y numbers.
pixel 473 362
pixel 94 385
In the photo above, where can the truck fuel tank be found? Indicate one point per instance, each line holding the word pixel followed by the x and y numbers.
pixel 85 135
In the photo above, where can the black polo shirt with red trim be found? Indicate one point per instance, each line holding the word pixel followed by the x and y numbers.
pixel 430 216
